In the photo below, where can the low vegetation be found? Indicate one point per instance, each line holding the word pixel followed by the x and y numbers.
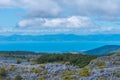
pixel 79 60
pixel 84 72
pixel 59 67
pixel 3 72
pixel 18 77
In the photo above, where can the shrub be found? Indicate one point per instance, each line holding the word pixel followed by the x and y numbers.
pixel 12 68
pixel 68 72
pixel 44 77
pixel 35 70
pixel 100 63
pixel 18 77
pixel 84 72
pixel 67 78
pixel 102 70
pixel 117 74
pixel 3 72
pixel 39 78
pixel 19 61
pixel 28 59
pixel 8 79
pixel 24 70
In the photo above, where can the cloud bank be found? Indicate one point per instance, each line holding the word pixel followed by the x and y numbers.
pixel 69 22
pixel 66 16
pixel 45 8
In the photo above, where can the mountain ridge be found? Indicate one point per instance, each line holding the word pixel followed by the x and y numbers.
pixel 61 37
pixel 103 50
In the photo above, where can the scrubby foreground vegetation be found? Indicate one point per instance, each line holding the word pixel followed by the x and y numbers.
pixel 60 67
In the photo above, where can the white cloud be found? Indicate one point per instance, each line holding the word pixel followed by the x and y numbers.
pixel 69 22
pixel 95 7
pixel 41 8
pixel 45 8
pixel 43 16
pixel 34 8
pixel 7 4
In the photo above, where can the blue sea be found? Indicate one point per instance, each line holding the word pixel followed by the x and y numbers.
pixel 50 47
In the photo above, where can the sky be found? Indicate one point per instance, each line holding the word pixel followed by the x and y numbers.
pixel 43 17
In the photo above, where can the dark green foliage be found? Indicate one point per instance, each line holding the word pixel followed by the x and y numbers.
pixel 17 54
pixel 19 61
pixel 74 59
pixel 84 72
pixel 3 72
pixel 18 77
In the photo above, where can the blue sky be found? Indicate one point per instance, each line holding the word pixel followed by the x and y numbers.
pixel 40 17
pixel 10 17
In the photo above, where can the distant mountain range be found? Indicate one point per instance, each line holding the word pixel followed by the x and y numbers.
pixel 107 49
pixel 61 37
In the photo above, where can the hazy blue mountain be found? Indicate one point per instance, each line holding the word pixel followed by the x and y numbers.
pixel 107 49
pixel 61 37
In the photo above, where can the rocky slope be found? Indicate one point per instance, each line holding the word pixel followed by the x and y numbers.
pixel 102 68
